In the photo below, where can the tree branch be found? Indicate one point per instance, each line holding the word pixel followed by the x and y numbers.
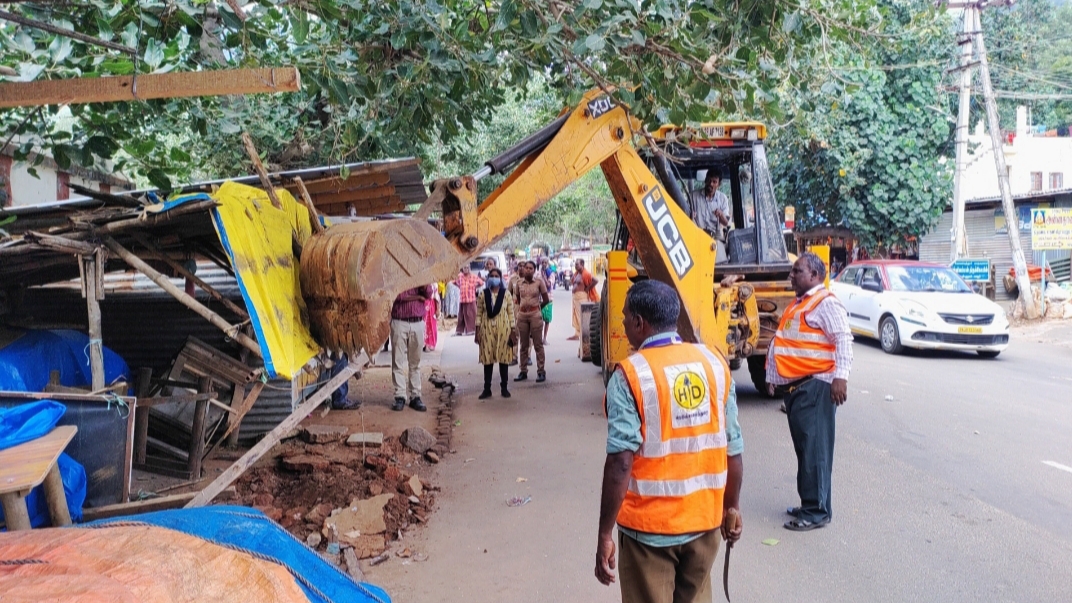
pixel 59 31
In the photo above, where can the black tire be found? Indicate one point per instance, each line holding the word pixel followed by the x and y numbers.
pixel 988 353
pixel 757 369
pixel 889 336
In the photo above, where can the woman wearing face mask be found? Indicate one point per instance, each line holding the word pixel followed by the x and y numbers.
pixel 495 331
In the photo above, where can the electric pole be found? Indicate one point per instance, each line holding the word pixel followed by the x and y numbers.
pixel 958 247
pixel 1012 219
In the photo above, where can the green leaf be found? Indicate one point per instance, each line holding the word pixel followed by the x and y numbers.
pixel 61 156
pixel 178 155
pixel 154 54
pixel 24 42
pixel 301 26
pixel 595 42
pixel 344 172
pixel 102 146
pixel 791 22
pixel 159 178
pixel 60 49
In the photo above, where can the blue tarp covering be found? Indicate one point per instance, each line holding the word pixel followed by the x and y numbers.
pixel 29 422
pixel 25 363
pixel 250 531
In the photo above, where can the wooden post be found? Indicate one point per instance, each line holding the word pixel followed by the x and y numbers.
pixel 197 430
pixel 314 216
pixel 56 499
pixel 303 410
pixel 90 282
pixel 16 516
pixel 141 415
pixel 191 303
pixel 259 168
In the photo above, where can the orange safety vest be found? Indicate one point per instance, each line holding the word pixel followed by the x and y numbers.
pixel 801 350
pixel 679 472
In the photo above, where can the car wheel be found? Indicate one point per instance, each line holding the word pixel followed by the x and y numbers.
pixel 988 353
pixel 890 336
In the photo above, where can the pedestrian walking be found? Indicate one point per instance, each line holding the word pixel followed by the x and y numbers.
pixel 407 339
pixel 583 285
pixel 530 293
pixel 673 470
pixel 496 332
pixel 467 283
pixel 808 363
pixel 451 300
pixel 431 321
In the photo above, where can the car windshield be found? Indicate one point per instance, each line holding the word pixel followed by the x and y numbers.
pixel 925 278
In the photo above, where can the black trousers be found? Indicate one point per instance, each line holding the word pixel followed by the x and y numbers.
pixel 811 424
pixel 504 374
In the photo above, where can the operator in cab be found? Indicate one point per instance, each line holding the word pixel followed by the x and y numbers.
pixel 673 471
pixel 712 212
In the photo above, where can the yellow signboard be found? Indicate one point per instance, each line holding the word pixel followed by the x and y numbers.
pixel 1051 228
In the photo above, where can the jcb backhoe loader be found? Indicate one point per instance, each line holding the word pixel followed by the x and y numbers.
pixel 351 273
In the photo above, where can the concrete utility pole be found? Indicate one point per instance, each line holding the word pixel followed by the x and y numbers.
pixel 958 247
pixel 1012 220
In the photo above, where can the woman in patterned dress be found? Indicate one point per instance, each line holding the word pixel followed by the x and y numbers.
pixel 496 331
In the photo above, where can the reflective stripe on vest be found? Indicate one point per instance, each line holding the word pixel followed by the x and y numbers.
pixel 801 350
pixel 680 470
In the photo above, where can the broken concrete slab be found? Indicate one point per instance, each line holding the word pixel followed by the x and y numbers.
pixel 361 518
pixel 306 462
pixel 431 457
pixel 324 434
pixel 352 566
pixel 414 487
pixel 368 438
pixel 418 439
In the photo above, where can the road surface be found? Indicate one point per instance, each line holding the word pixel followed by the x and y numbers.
pixel 959 488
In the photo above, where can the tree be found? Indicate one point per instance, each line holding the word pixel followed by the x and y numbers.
pixel 866 149
pixel 382 78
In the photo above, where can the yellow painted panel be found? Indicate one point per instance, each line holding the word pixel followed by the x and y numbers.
pixel 258 239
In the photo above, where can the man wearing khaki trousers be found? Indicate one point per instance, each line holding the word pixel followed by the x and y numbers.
pixel 530 295
pixel 407 341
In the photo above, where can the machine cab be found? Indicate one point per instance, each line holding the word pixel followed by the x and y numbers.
pixel 752 244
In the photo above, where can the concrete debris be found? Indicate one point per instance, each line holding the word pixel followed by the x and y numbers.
pixel 363 516
pixel 379 559
pixel 365 439
pixel 314 539
pixel 418 439
pixel 414 486
pixel 352 566
pixel 431 457
pixel 306 462
pixel 325 434
pixel 415 500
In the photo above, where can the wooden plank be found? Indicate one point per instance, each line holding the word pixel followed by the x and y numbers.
pixel 180 269
pixel 16 515
pixel 141 506
pixel 96 343
pixel 303 410
pixel 162 281
pixel 244 408
pixel 56 499
pixel 25 466
pixel 314 216
pixel 197 429
pixel 141 414
pixel 64 397
pixel 149 86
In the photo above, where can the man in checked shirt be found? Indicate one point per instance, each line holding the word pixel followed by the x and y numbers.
pixel 808 362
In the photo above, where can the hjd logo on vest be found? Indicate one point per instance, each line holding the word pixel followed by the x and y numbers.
pixel 691 394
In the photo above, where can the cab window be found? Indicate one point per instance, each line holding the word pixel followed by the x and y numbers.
pixel 848 276
pixel 870 274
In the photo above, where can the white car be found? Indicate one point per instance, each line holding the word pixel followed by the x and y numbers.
pixel 919 305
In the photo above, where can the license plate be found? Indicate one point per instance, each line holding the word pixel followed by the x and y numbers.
pixel 969 329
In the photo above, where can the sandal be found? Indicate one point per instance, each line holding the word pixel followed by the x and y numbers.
pixel 803 525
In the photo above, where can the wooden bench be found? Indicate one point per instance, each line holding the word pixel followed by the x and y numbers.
pixel 28 465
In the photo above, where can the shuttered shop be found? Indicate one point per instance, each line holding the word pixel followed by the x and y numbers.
pixel 983 242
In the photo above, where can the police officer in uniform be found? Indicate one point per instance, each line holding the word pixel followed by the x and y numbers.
pixel 673 467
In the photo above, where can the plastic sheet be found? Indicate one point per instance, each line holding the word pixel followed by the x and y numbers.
pixel 26 362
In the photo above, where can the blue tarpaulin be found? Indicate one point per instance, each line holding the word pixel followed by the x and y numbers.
pixel 29 422
pixel 26 362
pixel 250 531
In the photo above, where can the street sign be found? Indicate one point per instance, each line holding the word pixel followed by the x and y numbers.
pixel 1051 228
pixel 972 270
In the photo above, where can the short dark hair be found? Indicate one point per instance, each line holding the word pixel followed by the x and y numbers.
pixel 496 271
pixel 814 263
pixel 656 302
pixel 579 261
pixel 530 263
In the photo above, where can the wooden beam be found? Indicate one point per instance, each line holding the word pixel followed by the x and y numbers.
pixel 91 265
pixel 67 33
pixel 142 506
pixel 254 454
pixel 259 168
pixel 162 281
pixel 142 388
pixel 179 268
pixel 236 421
pixel 314 216
pixel 144 87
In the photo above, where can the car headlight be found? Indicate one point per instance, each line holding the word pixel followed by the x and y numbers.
pixel 914 309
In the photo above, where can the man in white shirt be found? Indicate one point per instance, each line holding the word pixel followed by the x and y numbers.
pixel 711 208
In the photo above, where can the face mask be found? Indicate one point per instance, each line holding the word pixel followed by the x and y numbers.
pixel 494 282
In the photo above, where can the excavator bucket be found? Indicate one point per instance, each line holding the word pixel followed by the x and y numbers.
pixel 352 273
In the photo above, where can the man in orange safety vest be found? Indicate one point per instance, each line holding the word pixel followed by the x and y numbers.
pixel 808 362
pixel 673 468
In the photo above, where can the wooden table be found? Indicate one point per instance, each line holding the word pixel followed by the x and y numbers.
pixel 28 465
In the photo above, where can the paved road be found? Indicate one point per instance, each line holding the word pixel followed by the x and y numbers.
pixel 952 491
